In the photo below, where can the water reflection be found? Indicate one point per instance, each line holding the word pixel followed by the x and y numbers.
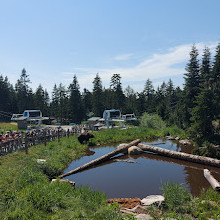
pixel 122 179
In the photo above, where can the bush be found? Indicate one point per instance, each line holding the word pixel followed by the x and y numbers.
pixel 174 131
pixel 152 121
pixel 176 196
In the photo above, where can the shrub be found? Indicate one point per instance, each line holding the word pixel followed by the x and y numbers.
pixel 176 196
pixel 152 121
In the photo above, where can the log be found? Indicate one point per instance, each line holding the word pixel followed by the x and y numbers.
pixel 102 158
pixel 213 182
pixel 180 155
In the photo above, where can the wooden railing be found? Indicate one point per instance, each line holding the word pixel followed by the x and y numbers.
pixel 25 140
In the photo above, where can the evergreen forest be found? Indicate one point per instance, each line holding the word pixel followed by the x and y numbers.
pixel 194 108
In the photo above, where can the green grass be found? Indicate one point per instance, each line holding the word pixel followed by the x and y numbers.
pixel 117 135
pixel 26 191
pixel 7 127
pixel 180 204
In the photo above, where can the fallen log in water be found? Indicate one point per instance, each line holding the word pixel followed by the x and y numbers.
pixel 213 182
pixel 180 155
pixel 102 158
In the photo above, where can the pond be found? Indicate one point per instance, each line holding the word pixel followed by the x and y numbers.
pixel 120 179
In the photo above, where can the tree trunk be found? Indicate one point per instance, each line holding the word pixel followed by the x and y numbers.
pixel 180 155
pixel 102 158
pixel 213 182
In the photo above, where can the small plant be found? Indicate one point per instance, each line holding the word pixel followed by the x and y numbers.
pixel 176 197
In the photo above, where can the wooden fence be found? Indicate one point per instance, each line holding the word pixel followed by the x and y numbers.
pixel 24 141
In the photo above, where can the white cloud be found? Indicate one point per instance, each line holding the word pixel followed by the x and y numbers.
pixel 160 65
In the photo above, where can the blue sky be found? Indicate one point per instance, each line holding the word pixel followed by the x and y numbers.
pixel 139 39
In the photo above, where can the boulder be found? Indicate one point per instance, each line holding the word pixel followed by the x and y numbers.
pixel 134 150
pixel 170 138
pixel 153 199
pixel 184 142
pixel 41 161
pixel 63 181
pixel 177 138
pixel 143 217
pixel 138 208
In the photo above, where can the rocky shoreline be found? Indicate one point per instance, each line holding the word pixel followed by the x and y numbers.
pixel 137 206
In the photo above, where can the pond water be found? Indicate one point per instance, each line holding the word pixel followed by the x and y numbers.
pixel 120 179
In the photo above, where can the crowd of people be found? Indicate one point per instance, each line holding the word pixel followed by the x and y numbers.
pixel 38 135
pixel 10 135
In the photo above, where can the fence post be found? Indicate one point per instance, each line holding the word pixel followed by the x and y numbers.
pixel 58 135
pixel 45 140
pixel 26 143
pixel 68 132
pixel 33 138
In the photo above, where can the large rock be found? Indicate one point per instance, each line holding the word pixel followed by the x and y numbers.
pixel 41 161
pixel 143 217
pixel 134 150
pixel 63 181
pixel 153 199
pixel 184 142
pixel 170 138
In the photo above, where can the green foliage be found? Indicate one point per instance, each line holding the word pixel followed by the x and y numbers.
pixel 97 97
pixel 208 205
pixel 75 102
pixel 174 131
pixel 118 96
pixel 26 191
pixel 152 121
pixel 176 197
pixel 28 176
pixel 117 135
pixel 7 127
pixel 208 150
pixel 179 204
pixel 24 92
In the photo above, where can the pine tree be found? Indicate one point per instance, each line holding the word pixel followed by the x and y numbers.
pixel 46 103
pixel 203 113
pixel 171 101
pixel 206 68
pixel 216 83
pixel 202 118
pixel 8 102
pixel 192 83
pixel 160 101
pixel 130 101
pixel 108 98
pixel 41 100
pixel 118 95
pixel 140 103
pixel 54 105
pixel 24 92
pixel 87 102
pixel 97 97
pixel 149 96
pixel 75 102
